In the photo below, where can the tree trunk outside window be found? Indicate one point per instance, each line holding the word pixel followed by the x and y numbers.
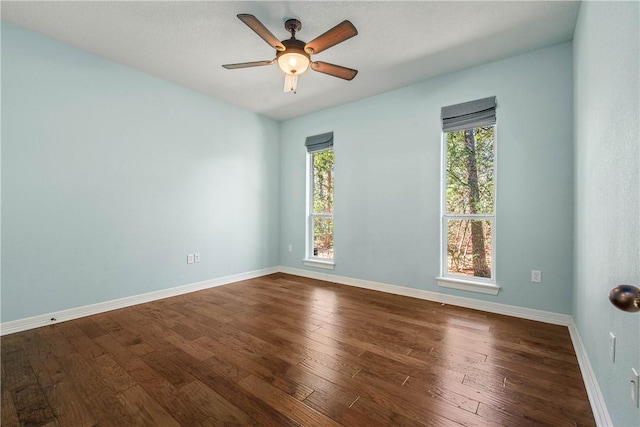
pixel 480 267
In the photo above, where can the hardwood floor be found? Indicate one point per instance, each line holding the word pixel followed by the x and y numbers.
pixel 286 351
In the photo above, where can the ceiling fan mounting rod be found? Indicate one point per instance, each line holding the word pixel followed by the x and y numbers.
pixel 293 26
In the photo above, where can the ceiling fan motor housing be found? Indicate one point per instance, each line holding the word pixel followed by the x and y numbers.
pixel 293 60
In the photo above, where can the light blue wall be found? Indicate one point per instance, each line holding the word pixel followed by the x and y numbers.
pixel 607 201
pixel 110 177
pixel 387 209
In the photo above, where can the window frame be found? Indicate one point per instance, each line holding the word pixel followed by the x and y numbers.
pixel 310 259
pixel 460 281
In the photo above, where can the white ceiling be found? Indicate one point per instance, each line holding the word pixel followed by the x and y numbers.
pixel 399 43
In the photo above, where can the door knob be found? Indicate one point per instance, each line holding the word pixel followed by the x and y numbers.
pixel 625 297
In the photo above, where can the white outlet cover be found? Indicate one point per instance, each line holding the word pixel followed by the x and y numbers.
pixel 197 257
pixel 536 276
pixel 189 258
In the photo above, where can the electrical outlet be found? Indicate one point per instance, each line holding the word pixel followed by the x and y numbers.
pixel 189 258
pixel 536 276
pixel 612 347
pixel 290 247
pixel 196 257
pixel 635 387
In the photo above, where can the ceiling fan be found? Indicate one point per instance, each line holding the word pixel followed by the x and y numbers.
pixel 294 56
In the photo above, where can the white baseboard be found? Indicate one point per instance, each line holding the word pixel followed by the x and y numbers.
pixel 87 310
pixel 596 399
pixel 491 307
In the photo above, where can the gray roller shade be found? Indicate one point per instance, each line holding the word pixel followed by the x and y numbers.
pixel 319 142
pixel 481 112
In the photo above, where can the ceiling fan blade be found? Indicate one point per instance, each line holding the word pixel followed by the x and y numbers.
pixel 341 32
pixel 257 26
pixel 248 64
pixel 334 70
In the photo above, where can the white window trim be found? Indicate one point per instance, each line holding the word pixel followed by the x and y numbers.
pixel 315 262
pixel 309 259
pixel 459 281
pixel 468 285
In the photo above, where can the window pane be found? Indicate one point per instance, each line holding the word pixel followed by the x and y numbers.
pixel 469 247
pixel 323 237
pixel 323 182
pixel 470 171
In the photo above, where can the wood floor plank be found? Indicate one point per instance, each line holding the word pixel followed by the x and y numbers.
pixel 70 409
pixel 337 359
pixel 540 417
pixel 32 406
pixel 125 331
pixel 257 409
pixel 188 346
pixel 347 336
pixel 145 408
pixel 82 343
pixel 320 385
pixel 179 405
pixel 316 341
pixel 9 415
pixel 121 353
pixel 331 406
pixel 45 364
pixel 281 350
pixel 551 403
pixel 17 369
pixel 219 409
pixel 440 401
pixel 442 394
pixel 113 375
pixel 509 401
pixel 364 410
pixel 268 368
pixel 228 366
pixel 391 399
pixel 90 328
pixel 98 397
pixel 168 366
pixel 285 403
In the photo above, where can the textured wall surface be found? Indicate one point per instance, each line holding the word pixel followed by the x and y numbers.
pixel 388 168
pixel 607 201
pixel 110 177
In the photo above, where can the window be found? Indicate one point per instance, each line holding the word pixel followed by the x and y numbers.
pixel 468 196
pixel 320 173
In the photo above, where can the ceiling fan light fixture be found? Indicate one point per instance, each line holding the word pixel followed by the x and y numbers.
pixel 294 60
pixel 293 63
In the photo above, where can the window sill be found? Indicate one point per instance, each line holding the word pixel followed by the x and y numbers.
pixel 328 265
pixel 468 285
